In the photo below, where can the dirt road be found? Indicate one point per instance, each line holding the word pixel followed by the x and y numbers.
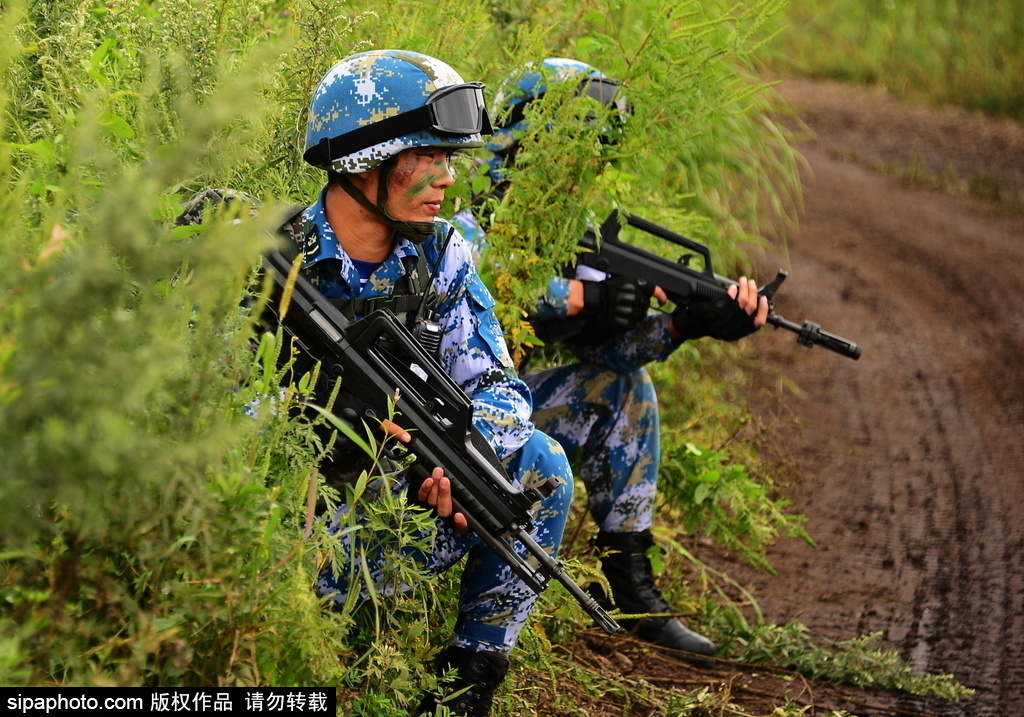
pixel 912 457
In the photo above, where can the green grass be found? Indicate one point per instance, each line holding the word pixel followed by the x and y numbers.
pixel 964 52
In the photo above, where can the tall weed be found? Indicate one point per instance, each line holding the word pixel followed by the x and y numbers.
pixel 140 523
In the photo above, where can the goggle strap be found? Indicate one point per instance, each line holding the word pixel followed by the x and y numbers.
pixel 421 118
pixel 518 112
pixel 330 148
pixel 616 101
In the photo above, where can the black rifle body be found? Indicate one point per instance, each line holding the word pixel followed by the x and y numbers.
pixel 378 360
pixel 684 284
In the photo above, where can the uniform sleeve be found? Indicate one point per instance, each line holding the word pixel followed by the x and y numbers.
pixel 474 354
pixel 647 341
pixel 554 302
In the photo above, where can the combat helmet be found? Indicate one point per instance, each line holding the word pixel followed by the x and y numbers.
pixel 373 105
pixel 532 84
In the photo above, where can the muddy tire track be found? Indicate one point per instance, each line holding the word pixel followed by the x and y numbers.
pixel 912 459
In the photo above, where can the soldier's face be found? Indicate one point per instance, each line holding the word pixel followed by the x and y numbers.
pixel 417 184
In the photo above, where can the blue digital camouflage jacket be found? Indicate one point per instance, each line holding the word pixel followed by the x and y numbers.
pixel 473 351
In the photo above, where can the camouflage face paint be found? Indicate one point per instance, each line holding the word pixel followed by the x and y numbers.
pixel 417 185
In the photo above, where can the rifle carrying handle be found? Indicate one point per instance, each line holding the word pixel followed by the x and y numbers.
pixel 610 233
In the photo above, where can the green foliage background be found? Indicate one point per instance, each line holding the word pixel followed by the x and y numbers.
pixel 963 52
pixel 156 487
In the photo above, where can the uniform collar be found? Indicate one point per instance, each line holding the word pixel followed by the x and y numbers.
pixel 320 243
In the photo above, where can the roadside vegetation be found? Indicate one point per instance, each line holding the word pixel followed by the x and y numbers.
pixel 156 486
pixel 965 52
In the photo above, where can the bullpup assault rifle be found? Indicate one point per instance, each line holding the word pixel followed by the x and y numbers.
pixel 377 359
pixel 683 283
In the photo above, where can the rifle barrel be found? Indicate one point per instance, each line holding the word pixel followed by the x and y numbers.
pixel 552 568
pixel 684 284
pixel 809 334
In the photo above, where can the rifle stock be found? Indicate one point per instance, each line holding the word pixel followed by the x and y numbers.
pixel 684 284
pixel 378 360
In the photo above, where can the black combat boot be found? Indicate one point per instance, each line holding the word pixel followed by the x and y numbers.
pixel 631 578
pixel 480 672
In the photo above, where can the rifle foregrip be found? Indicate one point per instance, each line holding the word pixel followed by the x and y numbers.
pixel 705 291
pixel 482 522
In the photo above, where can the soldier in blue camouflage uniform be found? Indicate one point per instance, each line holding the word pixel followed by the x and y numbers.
pixel 384 125
pixel 605 406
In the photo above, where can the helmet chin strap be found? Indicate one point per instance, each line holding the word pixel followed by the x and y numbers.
pixel 416 232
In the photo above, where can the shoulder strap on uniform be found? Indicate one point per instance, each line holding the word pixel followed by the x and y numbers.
pixel 291 227
pixel 407 299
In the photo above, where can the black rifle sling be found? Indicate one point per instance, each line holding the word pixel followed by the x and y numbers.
pixel 404 302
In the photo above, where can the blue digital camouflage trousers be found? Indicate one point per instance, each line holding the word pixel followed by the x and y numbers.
pixel 612 418
pixel 494 602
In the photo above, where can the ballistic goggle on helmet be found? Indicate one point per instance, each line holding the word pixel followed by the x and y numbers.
pixel 531 85
pixel 373 105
